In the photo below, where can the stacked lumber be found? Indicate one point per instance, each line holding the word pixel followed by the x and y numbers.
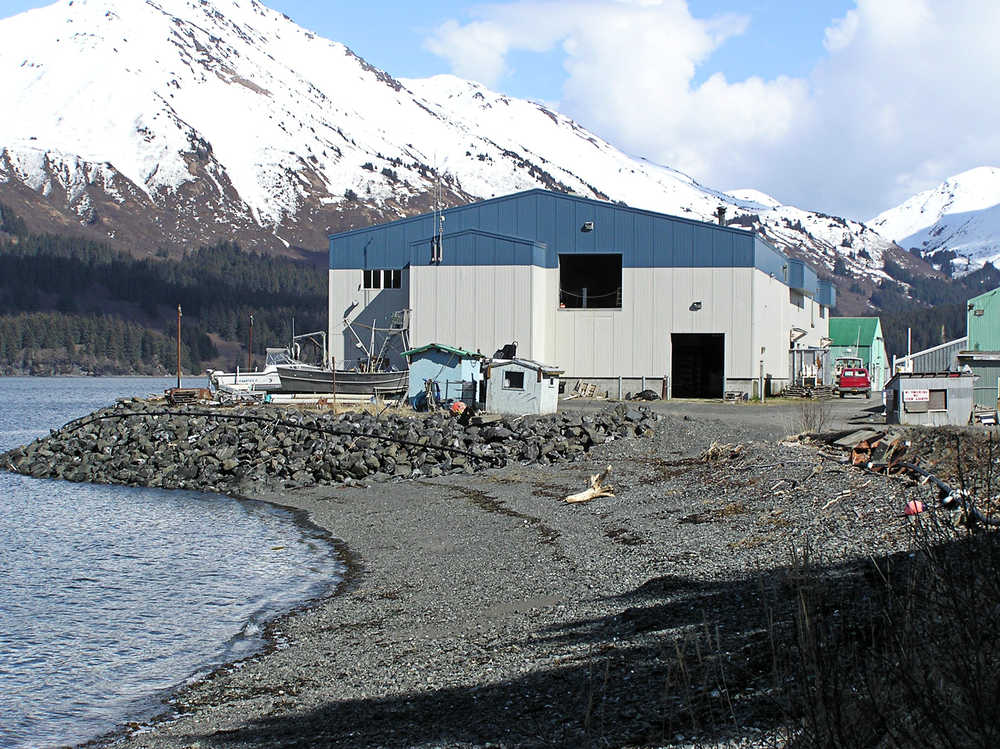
pixel 819 392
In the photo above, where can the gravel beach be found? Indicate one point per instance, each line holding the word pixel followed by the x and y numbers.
pixel 481 610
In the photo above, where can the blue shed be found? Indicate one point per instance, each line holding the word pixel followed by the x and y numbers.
pixel 454 371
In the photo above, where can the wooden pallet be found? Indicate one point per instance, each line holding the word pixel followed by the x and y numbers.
pixel 582 390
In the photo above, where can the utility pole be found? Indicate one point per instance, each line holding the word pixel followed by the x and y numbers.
pixel 178 345
pixel 250 346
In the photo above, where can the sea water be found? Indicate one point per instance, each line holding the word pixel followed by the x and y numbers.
pixel 112 597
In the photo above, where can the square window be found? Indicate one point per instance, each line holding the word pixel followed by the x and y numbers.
pixel 590 281
pixel 938 400
pixel 513 380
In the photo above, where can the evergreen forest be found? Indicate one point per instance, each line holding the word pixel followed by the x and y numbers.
pixel 70 305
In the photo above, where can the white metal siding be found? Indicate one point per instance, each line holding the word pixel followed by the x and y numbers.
pixel 484 307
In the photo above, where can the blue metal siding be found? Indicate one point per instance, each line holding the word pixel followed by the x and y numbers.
pixel 683 248
pixel 769 260
pixel 533 227
pixel 802 278
pixel 826 293
pixel 796 275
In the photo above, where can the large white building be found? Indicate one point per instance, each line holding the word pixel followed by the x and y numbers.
pixel 602 291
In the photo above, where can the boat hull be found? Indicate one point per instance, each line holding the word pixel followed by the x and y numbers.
pixel 266 381
pixel 318 380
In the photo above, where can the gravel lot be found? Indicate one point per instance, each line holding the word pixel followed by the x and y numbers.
pixel 483 611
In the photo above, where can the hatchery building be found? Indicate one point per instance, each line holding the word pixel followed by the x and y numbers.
pixel 610 294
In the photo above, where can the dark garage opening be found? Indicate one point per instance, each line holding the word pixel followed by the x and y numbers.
pixel 698 365
pixel 591 280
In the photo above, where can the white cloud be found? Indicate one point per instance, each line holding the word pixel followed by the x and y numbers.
pixel 842 32
pixel 905 96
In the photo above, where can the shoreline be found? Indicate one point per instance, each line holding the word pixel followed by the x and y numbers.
pixel 482 610
pixel 269 636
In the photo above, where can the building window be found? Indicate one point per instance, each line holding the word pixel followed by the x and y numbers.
pixel 590 281
pixel 938 400
pixel 387 278
pixel 513 380
pixel 822 312
pixel 797 298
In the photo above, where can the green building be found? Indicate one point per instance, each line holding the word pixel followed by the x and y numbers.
pixel 982 354
pixel 861 337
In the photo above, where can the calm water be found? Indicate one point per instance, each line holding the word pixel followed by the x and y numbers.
pixel 111 597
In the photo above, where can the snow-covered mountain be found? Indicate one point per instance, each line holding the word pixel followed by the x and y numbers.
pixel 160 124
pixel 958 221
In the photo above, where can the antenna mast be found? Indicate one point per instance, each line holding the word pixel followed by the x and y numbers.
pixel 437 242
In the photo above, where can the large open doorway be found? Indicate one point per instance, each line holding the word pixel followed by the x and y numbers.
pixel 698 365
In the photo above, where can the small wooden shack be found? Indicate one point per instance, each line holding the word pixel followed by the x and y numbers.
pixel 521 386
pixel 454 374
pixel 929 398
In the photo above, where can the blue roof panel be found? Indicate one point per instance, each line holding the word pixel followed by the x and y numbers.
pixel 535 226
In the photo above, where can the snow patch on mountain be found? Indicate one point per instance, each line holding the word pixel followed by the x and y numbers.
pixel 756 197
pixel 208 113
pixel 958 221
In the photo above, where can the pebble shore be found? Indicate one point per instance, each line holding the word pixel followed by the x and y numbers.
pixel 481 610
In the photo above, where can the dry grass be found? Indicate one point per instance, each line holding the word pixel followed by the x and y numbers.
pixel 904 654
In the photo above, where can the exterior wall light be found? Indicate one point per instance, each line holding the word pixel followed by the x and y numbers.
pixel 695 306
pixel 587 226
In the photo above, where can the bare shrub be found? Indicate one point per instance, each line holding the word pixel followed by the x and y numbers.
pixel 811 416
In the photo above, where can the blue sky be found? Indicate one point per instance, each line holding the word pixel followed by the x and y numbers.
pixel 844 106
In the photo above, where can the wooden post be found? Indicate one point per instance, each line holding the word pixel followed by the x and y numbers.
pixel 178 345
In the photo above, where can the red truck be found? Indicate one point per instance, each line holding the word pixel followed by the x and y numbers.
pixel 850 376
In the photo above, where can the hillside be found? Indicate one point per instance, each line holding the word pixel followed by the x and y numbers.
pixel 71 306
pixel 156 126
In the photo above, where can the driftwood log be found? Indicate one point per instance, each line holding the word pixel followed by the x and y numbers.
pixel 597 488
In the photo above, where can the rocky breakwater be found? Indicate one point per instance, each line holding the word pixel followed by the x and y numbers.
pixel 249 449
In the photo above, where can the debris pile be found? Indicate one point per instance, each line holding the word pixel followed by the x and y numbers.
pixel 961 465
pixel 251 448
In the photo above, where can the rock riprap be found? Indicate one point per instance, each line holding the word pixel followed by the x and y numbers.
pixel 248 449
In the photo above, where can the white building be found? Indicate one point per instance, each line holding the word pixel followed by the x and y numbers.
pixel 602 291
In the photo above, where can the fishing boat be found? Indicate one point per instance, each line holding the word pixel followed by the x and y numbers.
pixel 369 375
pixel 305 378
pixel 265 380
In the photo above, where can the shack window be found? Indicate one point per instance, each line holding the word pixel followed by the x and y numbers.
pixel 382 278
pixel 513 380
pixel 590 281
pixel 938 400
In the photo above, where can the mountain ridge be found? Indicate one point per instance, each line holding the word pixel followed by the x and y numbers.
pixel 955 226
pixel 195 121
